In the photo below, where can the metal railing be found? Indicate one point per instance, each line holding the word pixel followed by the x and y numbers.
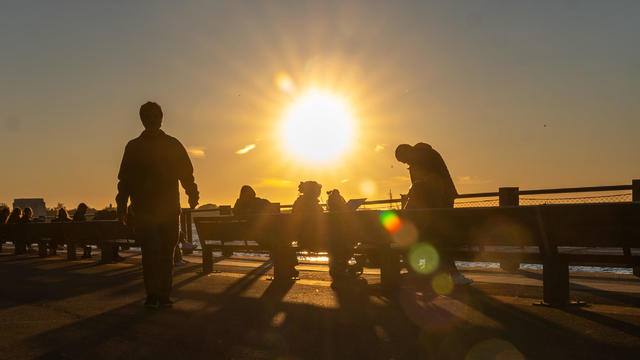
pixel 505 196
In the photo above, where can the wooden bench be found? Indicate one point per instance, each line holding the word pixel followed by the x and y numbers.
pixel 102 233
pixel 497 234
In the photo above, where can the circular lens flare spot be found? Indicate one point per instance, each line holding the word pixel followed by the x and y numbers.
pixel 423 258
pixel 391 221
pixel 442 284
pixel 494 349
pixel 368 187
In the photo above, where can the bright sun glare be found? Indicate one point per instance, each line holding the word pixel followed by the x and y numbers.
pixel 318 126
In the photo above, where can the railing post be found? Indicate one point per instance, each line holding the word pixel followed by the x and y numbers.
pixel 635 197
pixel 404 198
pixel 188 218
pixel 509 196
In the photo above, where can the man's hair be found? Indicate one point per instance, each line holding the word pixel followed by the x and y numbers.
pixel 150 112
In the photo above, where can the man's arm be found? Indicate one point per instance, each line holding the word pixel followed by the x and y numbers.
pixel 185 175
pixel 124 183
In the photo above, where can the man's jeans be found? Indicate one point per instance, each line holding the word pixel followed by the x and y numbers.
pixel 158 241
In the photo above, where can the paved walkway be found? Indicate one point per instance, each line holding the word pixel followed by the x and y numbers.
pixel 56 309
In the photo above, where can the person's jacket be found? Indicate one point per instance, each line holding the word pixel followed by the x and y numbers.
pixel 431 168
pixel 152 165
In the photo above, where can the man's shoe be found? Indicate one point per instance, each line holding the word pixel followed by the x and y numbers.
pixel 151 303
pixel 166 303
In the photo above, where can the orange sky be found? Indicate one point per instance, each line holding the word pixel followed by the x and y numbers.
pixel 532 95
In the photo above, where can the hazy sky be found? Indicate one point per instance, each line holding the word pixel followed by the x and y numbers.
pixel 512 93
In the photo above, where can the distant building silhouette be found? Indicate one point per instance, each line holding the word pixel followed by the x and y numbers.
pixel 37 206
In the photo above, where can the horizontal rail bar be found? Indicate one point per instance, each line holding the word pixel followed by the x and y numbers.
pixel 575 190
pixel 486 194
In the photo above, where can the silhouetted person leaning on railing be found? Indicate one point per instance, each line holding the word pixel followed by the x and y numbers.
pixel 152 165
pixel 431 187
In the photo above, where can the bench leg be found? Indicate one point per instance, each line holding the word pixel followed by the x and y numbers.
pixel 207 260
pixel 42 248
pixel 106 252
pixel 389 268
pixel 71 250
pixel 555 277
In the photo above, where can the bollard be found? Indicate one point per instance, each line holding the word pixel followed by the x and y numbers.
pixel 106 250
pixel 42 248
pixel 207 259
pixel 71 250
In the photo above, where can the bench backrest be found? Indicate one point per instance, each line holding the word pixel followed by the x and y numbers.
pixel 589 225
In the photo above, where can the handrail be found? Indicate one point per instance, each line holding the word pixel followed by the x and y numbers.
pixel 488 194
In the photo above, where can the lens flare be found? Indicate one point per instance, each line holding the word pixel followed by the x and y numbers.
pixel 391 221
pixel 423 258
pixel 442 284
pixel 494 349
pixel 284 82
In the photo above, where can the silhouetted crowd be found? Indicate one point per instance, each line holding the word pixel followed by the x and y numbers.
pixel 153 165
pixel 432 187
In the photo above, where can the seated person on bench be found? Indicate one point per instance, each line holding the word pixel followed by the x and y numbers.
pixel 108 214
pixel 307 226
pixel 81 216
pixel 14 218
pixel 62 217
pixel 27 218
pixel 249 204
pixel 4 215
pixel 340 242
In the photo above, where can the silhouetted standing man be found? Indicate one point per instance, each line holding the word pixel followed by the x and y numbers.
pixel 152 165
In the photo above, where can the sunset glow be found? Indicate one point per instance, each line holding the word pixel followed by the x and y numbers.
pixel 318 127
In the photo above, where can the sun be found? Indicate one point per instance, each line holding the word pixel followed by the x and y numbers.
pixel 318 127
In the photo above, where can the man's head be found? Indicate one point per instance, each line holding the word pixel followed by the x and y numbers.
pixel 404 153
pixel 423 146
pixel 151 115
